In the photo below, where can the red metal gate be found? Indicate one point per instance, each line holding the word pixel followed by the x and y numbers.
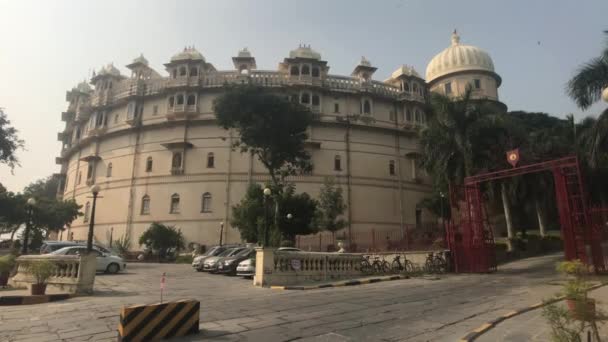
pixel 471 240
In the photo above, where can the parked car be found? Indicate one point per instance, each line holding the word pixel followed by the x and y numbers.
pixel 246 268
pixel 106 262
pixel 210 264
pixel 51 246
pixel 197 262
pixel 229 264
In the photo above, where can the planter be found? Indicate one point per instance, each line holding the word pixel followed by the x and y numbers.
pixel 38 289
pixel 581 310
pixel 4 279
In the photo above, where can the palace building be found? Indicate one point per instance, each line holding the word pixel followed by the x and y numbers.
pixel 151 143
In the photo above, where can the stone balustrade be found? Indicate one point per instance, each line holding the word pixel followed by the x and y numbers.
pixel 71 274
pixel 277 268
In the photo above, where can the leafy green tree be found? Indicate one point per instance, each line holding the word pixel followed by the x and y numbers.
pixel 160 238
pixel 248 215
pixel 270 127
pixel 9 142
pixel 303 210
pixel 331 206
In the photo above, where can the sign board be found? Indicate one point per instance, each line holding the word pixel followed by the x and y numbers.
pixel 163 282
pixel 296 264
pixel 513 157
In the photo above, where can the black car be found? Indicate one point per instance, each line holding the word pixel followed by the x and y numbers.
pixel 227 265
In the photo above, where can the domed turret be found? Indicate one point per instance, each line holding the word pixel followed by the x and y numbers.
pixel 83 87
pixel 459 67
pixel 189 53
pixel 304 51
pixel 458 57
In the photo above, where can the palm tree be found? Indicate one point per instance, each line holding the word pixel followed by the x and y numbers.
pixel 464 137
pixel 586 88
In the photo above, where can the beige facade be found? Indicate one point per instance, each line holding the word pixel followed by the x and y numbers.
pixel 152 144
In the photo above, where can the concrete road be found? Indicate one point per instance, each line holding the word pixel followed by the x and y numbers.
pixel 443 309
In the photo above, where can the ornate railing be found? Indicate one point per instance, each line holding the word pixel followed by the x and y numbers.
pixel 67 275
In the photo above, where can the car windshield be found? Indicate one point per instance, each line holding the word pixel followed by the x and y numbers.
pixel 226 252
pixel 235 251
pixel 244 252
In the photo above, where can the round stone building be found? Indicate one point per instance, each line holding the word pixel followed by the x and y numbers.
pixel 152 145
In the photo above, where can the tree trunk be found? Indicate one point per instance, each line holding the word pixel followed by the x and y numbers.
pixel 540 215
pixel 507 209
pixel 13 234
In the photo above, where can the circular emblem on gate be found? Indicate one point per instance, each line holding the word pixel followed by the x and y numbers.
pixel 513 156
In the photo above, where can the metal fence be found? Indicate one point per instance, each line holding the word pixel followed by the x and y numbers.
pixel 376 240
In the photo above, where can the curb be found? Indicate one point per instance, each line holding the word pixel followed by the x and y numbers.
pixel 474 334
pixel 342 283
pixel 27 300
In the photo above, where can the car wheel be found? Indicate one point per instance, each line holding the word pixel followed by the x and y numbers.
pixel 113 268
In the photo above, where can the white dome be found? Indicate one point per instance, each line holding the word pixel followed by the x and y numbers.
pixel 109 69
pixel 83 87
pixel 189 53
pixel 244 53
pixel 304 52
pixel 141 59
pixel 458 57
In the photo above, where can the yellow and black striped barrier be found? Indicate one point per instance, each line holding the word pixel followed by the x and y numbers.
pixel 153 322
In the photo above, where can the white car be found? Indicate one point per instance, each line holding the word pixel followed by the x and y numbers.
pixel 246 268
pixel 106 262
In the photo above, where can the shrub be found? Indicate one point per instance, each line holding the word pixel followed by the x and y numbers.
pixel 184 259
pixel 161 238
pixel 41 270
pixel 7 263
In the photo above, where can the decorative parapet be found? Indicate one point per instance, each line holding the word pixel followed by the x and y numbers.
pixel 277 268
pixel 72 273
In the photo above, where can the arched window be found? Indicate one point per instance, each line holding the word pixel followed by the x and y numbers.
pixel 78 133
pixel 210 160
pixel 315 100
pixel 191 100
pixel 391 167
pixel 174 208
pixel 193 71
pixel 337 163
pixel 109 170
pixel 408 115
pixel 305 98
pixel 171 101
pixel 367 107
pixel 87 210
pixel 305 70
pixel 145 205
pixel 149 164
pixel 182 71
pixel 176 163
pixel 315 72
pixel 422 118
pixel 406 86
pixel 206 203
pixel 415 87
pixel 417 116
pixel 89 171
pixel 294 71
pixel 243 69
pixel 180 99
pixel 174 73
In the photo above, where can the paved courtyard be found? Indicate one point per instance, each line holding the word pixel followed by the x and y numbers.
pixel 430 309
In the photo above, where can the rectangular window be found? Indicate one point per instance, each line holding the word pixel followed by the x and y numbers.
pixel 391 167
pixel 448 88
pixel 336 107
pixel 391 115
pixel 477 84
pixel 155 110
pixel 337 163
pixel 174 205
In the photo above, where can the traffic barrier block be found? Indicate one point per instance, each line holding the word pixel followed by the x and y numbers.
pixel 153 322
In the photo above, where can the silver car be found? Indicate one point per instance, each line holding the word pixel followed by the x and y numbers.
pixel 106 262
pixel 211 264
pixel 246 268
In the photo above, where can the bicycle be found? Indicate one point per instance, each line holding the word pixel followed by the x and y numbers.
pixel 398 267
pixel 435 263
pixel 380 266
pixel 366 266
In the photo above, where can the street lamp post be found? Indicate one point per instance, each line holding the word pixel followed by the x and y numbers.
pixel 267 194
pixel 95 192
pixel 221 231
pixel 441 206
pixel 31 202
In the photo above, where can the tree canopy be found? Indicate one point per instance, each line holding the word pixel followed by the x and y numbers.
pixel 331 206
pixel 9 142
pixel 160 238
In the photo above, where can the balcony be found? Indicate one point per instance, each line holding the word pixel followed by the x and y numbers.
pixel 61 136
pixel 182 112
pixel 176 171
pixel 67 116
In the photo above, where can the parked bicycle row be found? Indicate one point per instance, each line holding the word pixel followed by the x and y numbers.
pixel 435 263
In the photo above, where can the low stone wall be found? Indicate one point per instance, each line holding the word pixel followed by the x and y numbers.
pixel 279 268
pixel 72 273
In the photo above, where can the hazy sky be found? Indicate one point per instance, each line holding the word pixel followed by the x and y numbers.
pixel 47 47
